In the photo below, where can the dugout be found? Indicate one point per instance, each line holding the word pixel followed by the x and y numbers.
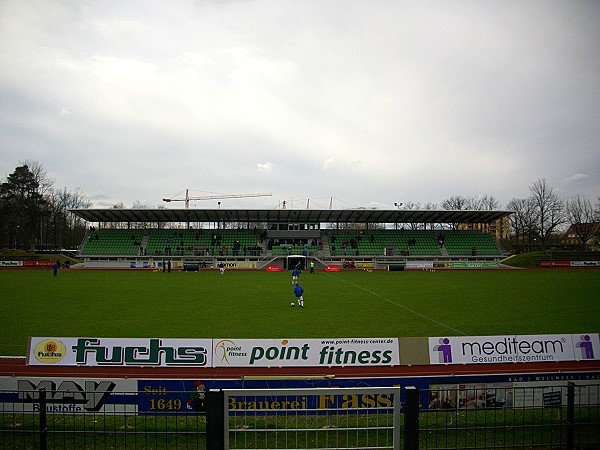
pixel 292 260
pixel 191 267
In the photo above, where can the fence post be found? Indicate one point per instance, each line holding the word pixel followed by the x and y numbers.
pixel 215 420
pixel 570 416
pixel 411 418
pixel 43 420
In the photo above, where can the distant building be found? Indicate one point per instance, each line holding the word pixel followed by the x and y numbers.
pixel 500 228
pixel 592 229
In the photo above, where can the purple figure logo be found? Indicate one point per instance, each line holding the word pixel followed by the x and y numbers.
pixel 587 348
pixel 445 350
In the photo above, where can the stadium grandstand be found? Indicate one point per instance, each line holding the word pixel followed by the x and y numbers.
pixel 193 239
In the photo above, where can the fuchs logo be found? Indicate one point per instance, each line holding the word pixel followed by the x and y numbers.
pixel 445 350
pixel 152 355
pixel 50 351
pixel 226 348
pixel 586 346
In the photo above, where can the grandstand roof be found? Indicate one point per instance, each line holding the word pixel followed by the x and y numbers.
pixel 289 215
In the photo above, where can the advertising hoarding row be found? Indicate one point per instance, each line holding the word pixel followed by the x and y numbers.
pixel 294 352
pixel 187 396
pixel 593 264
pixel 46 264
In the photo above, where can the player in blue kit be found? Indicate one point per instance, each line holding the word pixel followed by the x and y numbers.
pixel 298 291
pixel 295 275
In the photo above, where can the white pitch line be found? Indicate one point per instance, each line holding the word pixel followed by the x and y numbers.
pixel 431 319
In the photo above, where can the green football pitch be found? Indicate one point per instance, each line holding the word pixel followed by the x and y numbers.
pixel 86 303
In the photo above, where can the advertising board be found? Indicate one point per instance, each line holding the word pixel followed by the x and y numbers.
pixel 419 264
pixel 69 395
pixel 114 352
pixel 305 352
pixel 11 263
pixel 473 264
pixel 513 348
pixel 585 263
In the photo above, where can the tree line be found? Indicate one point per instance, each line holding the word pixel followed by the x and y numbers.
pixel 35 215
pixel 537 220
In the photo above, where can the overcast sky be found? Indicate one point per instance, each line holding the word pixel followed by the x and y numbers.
pixel 366 102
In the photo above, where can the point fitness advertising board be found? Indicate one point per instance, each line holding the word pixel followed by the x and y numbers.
pixel 306 352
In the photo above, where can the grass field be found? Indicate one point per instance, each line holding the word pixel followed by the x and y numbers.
pixel 257 304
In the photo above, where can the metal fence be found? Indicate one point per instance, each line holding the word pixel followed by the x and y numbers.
pixel 63 420
pixel 565 416
pixel 321 418
pixel 540 417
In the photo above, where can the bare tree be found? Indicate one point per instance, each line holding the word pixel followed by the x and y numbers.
pixel 139 205
pixel 483 203
pixel 456 203
pixel 117 225
pixel 521 222
pixel 549 211
pixel 40 175
pixel 581 215
pixel 65 229
pixel 459 203
pixel 411 206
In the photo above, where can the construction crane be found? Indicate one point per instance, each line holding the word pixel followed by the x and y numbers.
pixel 212 197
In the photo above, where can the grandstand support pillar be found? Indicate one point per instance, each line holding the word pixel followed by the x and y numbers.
pixel 216 415
pixel 411 418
